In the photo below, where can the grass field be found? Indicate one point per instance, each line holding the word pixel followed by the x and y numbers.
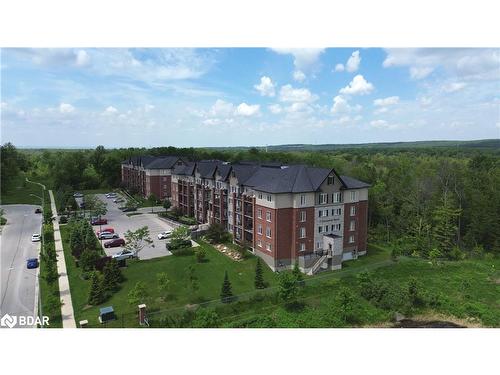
pixel 209 275
pixel 19 192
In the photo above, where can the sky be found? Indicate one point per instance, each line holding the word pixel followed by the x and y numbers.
pixel 84 97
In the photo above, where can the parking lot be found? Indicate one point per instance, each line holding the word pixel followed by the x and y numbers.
pixel 120 222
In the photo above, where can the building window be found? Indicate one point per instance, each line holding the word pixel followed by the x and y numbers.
pixel 330 180
pixel 302 216
pixel 268 232
pixel 259 213
pixel 337 197
pixel 259 195
pixel 302 232
pixel 318 245
pixel 302 200
pixel 259 243
pixel 354 196
pixel 269 198
pixel 268 216
pixel 302 246
pixel 351 239
pixel 322 213
pixel 336 211
pixel 353 210
pixel 320 229
pixel 259 229
pixel 323 198
pixel 352 225
pixel 268 246
pixel 336 227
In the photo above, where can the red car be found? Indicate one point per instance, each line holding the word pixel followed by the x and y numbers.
pixel 99 221
pixel 117 242
pixel 109 230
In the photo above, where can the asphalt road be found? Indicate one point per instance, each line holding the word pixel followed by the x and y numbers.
pixel 18 284
pixel 120 222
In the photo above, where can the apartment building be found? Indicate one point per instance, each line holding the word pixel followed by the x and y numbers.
pixel 148 175
pixel 283 213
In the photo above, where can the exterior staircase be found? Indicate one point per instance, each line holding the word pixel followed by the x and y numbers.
pixel 315 267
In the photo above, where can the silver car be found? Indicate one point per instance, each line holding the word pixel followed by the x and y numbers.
pixel 107 235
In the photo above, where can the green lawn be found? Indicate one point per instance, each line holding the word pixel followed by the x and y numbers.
pixel 210 275
pixel 19 192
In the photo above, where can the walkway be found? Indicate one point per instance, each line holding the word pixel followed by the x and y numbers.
pixel 68 317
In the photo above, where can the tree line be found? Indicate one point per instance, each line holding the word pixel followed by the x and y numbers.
pixel 430 202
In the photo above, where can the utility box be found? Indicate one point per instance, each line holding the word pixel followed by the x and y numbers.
pixel 106 314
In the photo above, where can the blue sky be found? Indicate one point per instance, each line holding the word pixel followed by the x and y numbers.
pixel 246 96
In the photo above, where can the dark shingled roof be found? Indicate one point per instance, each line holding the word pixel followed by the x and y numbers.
pixel 207 167
pixel 292 179
pixel 224 170
pixel 184 170
pixel 152 162
pixel 352 183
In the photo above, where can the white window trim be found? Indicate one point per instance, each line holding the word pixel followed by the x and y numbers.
pixel 268 216
pixel 302 232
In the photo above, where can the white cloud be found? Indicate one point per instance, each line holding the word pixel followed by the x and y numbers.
pixel 358 86
pixel 82 58
pixel 299 107
pixel 289 94
pixel 466 63
pixel 383 124
pixel 245 109
pixel 391 100
pixel 339 68
pixel 353 63
pixel 453 86
pixel 148 107
pixel 221 108
pixel 110 110
pixel 340 105
pixel 66 108
pixel 4 105
pixel 299 76
pixel 265 87
pixel 304 58
pixel 419 72
pixel 275 109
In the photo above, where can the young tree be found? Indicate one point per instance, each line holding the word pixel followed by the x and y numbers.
pixel 192 279
pixel 138 294
pixel 163 283
pixel 299 277
pixel 445 228
pixel 167 204
pixel 152 200
pixel 414 293
pixel 346 304
pixel 88 260
pixel 180 233
pixel 226 294
pixel 51 274
pixel 215 233
pixel 200 254
pixel 96 293
pixel 112 275
pixel 287 287
pixel 138 239
pixel 259 275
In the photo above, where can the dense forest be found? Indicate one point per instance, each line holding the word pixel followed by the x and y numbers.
pixel 431 202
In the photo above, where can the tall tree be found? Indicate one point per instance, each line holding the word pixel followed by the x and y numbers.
pixel 259 275
pixel 445 227
pixel 226 293
pixel 96 293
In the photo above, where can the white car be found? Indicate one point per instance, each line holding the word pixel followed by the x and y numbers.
pixel 124 254
pixel 36 237
pixel 107 235
pixel 164 235
pixel 111 195
pixel 78 195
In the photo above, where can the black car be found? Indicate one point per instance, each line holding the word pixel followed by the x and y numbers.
pixel 129 209
pixel 38 211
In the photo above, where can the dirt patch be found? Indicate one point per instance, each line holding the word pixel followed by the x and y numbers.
pixel 410 323
pixel 227 251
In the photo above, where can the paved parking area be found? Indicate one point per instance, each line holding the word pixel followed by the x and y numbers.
pixel 120 222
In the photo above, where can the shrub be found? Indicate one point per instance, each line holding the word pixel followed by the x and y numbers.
pixel 201 254
pixel 456 253
pixel 206 318
pixel 63 220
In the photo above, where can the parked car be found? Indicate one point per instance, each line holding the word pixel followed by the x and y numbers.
pixel 32 263
pixel 101 221
pixel 38 211
pixel 82 205
pixel 164 235
pixel 117 242
pixel 77 195
pixel 124 254
pixel 129 209
pixel 107 236
pixel 105 230
pixel 111 195
pixel 36 237
pixel 118 200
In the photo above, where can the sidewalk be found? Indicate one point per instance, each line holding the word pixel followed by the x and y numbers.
pixel 68 317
